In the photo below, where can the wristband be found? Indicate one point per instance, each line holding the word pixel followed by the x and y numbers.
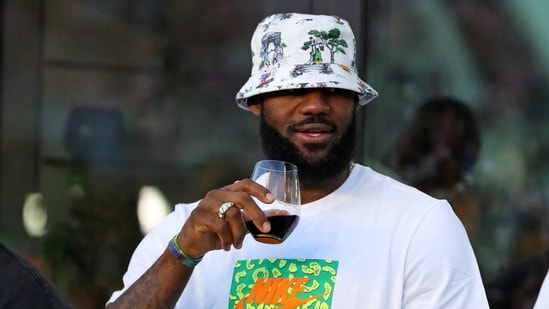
pixel 180 255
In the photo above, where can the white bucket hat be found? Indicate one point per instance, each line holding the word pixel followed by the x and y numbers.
pixel 293 51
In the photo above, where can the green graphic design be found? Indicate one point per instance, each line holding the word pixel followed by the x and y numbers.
pixel 274 283
pixel 319 40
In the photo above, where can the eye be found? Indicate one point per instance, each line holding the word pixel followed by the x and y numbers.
pixel 284 93
pixel 290 92
pixel 340 93
pixel 330 90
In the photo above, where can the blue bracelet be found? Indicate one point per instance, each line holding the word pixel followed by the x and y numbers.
pixel 180 255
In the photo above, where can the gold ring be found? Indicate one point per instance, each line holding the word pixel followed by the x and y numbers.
pixel 223 209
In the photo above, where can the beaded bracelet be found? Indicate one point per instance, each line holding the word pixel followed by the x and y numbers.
pixel 180 255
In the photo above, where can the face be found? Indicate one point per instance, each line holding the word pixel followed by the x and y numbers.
pixel 312 128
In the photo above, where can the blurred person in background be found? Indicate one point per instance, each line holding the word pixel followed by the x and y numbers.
pixel 437 152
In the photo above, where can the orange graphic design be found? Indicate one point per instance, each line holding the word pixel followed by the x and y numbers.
pixel 283 284
pixel 277 291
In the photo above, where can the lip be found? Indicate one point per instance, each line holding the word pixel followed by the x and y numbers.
pixel 314 133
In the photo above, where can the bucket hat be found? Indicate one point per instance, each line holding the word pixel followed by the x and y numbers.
pixel 293 51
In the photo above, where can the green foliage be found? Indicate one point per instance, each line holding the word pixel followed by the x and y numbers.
pixel 90 250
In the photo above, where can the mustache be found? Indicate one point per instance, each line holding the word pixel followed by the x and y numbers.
pixel 313 120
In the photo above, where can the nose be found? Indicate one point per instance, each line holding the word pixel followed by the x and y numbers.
pixel 314 102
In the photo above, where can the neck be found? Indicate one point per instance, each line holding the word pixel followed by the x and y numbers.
pixel 313 192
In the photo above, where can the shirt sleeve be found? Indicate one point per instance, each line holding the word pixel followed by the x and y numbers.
pixel 152 246
pixel 441 269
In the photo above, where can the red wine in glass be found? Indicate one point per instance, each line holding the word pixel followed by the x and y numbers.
pixel 281 226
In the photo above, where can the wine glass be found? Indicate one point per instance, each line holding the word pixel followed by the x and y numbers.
pixel 282 180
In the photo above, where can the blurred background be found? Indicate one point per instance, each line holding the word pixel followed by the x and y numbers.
pixel 113 111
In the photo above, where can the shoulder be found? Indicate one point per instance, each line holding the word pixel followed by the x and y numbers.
pixel 402 207
pixel 388 190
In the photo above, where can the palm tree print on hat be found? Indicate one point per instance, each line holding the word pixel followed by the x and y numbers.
pixel 317 43
pixel 320 39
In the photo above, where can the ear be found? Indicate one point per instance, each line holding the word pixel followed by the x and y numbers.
pixel 255 108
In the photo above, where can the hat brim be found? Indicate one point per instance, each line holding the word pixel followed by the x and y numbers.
pixel 323 75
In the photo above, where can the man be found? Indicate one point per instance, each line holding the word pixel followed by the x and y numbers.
pixel 363 239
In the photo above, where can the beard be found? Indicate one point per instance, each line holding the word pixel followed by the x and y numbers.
pixel 312 171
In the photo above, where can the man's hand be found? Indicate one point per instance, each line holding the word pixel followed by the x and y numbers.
pixel 205 231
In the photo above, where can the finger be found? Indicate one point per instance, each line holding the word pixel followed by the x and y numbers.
pixel 244 201
pixel 236 223
pixel 241 194
pixel 252 188
pixel 215 204
pixel 255 213
pixel 203 232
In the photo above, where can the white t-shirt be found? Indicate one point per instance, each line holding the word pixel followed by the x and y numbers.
pixel 372 243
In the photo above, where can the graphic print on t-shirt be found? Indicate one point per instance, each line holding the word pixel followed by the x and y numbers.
pixel 281 283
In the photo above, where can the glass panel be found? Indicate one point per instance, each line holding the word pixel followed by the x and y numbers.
pixel 137 97
pixel 492 56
